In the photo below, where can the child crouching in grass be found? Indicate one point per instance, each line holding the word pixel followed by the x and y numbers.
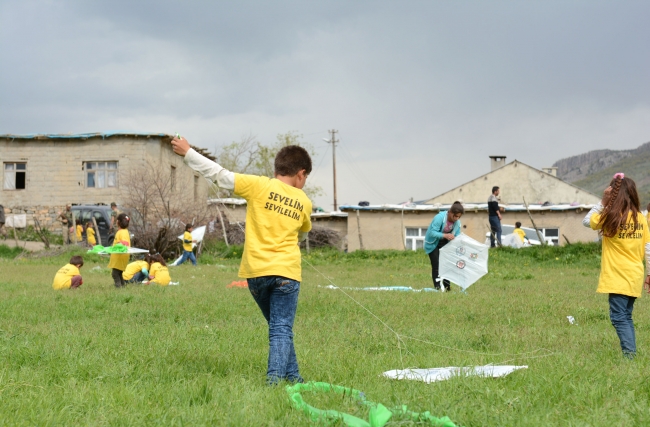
pixel 159 273
pixel 626 242
pixel 137 271
pixel 69 276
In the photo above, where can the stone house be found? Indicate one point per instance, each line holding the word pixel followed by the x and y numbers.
pixel 557 208
pixel 43 173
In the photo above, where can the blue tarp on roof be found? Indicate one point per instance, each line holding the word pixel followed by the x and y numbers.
pixel 82 135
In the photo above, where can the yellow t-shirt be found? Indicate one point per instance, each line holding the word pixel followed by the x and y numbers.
pixel 80 230
pixel 521 233
pixel 134 267
pixel 90 236
pixel 622 266
pixel 63 277
pixel 187 246
pixel 120 261
pixel 160 274
pixel 275 213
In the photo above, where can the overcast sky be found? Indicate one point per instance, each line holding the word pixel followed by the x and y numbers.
pixel 421 92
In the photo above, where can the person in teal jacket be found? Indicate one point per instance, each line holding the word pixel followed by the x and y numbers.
pixel 444 227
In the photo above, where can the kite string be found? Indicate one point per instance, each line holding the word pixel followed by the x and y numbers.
pixel 399 337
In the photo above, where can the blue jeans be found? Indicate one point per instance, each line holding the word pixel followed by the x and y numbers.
pixel 495 227
pixel 187 255
pixel 137 278
pixel 620 313
pixel 277 297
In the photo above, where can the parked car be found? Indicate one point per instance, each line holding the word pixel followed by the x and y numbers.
pixel 102 215
pixel 532 239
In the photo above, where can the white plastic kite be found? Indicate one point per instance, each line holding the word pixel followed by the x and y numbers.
pixel 463 261
pixel 440 374
pixel 197 234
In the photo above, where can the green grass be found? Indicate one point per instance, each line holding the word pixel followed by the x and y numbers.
pixel 195 354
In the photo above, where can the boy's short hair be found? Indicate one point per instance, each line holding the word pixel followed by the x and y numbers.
pixel 188 226
pixel 77 260
pixel 292 159
pixel 517 224
pixel 495 188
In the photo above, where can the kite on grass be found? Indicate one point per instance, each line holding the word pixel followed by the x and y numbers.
pixel 116 249
pixel 463 261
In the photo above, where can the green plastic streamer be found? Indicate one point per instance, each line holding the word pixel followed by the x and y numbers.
pixel 378 416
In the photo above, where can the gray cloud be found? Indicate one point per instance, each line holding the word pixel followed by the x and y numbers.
pixel 421 92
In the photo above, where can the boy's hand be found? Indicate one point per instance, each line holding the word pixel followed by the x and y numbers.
pixel 181 146
pixel 646 284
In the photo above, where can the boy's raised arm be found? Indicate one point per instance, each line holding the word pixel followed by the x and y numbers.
pixel 213 171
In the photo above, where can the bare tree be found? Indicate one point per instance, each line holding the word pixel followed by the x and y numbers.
pixel 160 205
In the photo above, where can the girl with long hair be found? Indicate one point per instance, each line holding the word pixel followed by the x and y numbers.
pixel 626 242
pixel 442 230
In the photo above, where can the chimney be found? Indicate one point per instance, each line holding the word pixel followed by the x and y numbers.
pixel 497 161
pixel 550 171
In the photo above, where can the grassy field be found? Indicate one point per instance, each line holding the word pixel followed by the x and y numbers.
pixel 195 354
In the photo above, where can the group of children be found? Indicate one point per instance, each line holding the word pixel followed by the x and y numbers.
pixel 152 269
pixel 89 230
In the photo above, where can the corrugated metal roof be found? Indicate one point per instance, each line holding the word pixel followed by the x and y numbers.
pixel 467 206
pixel 82 135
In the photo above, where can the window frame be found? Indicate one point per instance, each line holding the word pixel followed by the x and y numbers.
pixel 105 170
pixel 414 239
pixel 15 172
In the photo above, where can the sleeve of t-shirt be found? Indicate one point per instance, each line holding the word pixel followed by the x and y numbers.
pixel 209 169
pixel 594 221
pixel 246 185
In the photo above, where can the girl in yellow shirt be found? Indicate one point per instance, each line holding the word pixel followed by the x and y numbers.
pixel 119 262
pixel 90 234
pixel 159 274
pixel 137 271
pixel 80 231
pixel 626 242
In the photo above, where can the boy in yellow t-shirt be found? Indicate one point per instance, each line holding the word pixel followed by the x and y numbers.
pixel 69 276
pixel 187 246
pixel 277 217
pixel 519 232
pixel 137 271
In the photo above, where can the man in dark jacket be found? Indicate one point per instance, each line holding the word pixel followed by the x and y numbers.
pixel 494 217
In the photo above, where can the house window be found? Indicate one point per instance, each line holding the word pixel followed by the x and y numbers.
pixel 15 176
pixel 415 238
pixel 100 174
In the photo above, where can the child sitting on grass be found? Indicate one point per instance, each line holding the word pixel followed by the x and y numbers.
pixel 137 271
pixel 159 273
pixel 69 276
pixel 277 217
pixel 626 242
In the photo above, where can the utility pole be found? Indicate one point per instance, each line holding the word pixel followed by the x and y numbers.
pixel 333 141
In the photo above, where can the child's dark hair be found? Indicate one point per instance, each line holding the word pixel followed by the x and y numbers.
pixel 623 199
pixel 494 189
pixel 158 258
pixel 292 159
pixel 188 226
pixel 517 224
pixel 457 208
pixel 77 260
pixel 648 208
pixel 147 259
pixel 123 220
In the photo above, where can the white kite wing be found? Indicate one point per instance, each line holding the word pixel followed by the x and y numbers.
pixel 463 261
pixel 197 234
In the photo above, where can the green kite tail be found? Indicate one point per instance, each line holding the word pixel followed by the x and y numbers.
pixel 115 249
pixel 378 416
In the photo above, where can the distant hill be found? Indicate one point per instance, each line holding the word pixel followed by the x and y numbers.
pixel 594 170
